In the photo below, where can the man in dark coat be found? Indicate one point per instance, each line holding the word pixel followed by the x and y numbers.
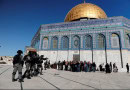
pixel 81 66
pixel 94 67
pixel 110 67
pixel 107 68
pixel 127 67
pixel 100 66
pixel 59 65
pixel 73 65
pixel 64 65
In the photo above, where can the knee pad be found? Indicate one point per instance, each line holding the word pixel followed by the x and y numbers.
pixel 41 68
pixel 20 72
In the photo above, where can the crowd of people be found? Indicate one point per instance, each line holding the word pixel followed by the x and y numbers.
pixel 33 63
pixel 75 66
pixel 78 66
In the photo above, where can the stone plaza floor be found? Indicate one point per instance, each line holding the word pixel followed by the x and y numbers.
pixel 54 79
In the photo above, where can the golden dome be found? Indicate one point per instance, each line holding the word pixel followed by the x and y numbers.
pixel 85 10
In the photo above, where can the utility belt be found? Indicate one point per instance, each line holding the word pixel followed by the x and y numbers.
pixel 39 64
pixel 17 65
pixel 20 63
pixel 27 62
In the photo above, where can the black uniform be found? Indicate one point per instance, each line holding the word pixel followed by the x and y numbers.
pixel 27 59
pixel 34 59
pixel 39 64
pixel 17 65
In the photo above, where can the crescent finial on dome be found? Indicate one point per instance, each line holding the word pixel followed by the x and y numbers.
pixel 84 1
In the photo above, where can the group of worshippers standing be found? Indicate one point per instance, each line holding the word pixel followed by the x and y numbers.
pixel 108 68
pixel 111 68
pixel 75 66
pixel 78 66
pixel 33 63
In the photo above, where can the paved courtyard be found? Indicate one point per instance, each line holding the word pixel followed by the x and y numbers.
pixel 54 79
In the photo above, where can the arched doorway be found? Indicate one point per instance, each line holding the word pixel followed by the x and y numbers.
pixel 76 46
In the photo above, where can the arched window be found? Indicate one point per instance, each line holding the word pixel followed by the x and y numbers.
pixel 45 43
pixel 65 42
pixel 55 43
pixel 101 41
pixel 76 42
pixel 127 41
pixel 114 41
pixel 88 41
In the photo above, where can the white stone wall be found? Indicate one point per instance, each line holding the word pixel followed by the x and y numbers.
pixel 99 57
pixel 129 57
pixel 86 55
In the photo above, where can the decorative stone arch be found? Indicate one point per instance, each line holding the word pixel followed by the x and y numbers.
pixel 45 43
pixel 102 44
pixel 88 41
pixel 115 40
pixel 76 41
pixel 118 41
pixel 101 41
pixel 65 42
pixel 127 37
pixel 54 42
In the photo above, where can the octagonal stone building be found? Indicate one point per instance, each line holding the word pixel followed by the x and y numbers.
pixel 86 35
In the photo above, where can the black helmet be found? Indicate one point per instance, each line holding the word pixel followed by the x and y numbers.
pixel 42 55
pixel 20 51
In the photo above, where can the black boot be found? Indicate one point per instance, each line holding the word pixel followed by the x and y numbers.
pixel 13 80
pixel 28 77
pixel 13 77
pixel 21 80
pixel 41 73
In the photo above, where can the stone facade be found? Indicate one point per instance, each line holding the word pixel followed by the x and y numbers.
pixel 110 41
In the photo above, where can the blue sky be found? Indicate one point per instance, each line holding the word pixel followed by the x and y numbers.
pixel 20 19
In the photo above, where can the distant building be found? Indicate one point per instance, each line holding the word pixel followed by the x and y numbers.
pixel 86 35
pixel 29 48
pixel 6 60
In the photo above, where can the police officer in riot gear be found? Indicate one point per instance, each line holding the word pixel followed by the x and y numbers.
pixel 27 59
pixel 33 64
pixel 39 64
pixel 45 63
pixel 17 65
